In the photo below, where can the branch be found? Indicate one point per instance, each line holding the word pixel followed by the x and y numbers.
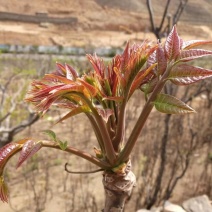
pixel 97 131
pixel 163 158
pixel 12 100
pixel 4 88
pixel 109 149
pixel 78 172
pixel 31 120
pixel 179 11
pixel 120 132
pixel 156 30
pixel 80 153
pixel 164 15
pixel 11 132
pixel 149 6
pixel 4 117
pixel 125 154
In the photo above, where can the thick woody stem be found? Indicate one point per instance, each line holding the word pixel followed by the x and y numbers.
pixel 118 189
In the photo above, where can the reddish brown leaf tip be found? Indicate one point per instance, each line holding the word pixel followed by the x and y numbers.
pixel 105 113
pixel 6 152
pixel 28 150
pixel 3 190
pixel 173 44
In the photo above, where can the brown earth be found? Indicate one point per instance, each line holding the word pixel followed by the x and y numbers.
pixel 100 22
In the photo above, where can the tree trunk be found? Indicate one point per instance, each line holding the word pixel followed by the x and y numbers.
pixel 118 188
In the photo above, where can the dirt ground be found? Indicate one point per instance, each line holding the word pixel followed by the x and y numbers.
pixel 100 23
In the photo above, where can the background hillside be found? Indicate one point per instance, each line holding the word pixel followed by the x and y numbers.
pixel 99 22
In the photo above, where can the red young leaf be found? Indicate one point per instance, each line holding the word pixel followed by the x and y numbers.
pixel 161 60
pixel 61 69
pixel 70 72
pixel 125 57
pixel 173 44
pixel 186 74
pixel 6 152
pixel 44 105
pixel 150 49
pixel 191 54
pixel 28 150
pixel 152 58
pixel 56 78
pixel 138 55
pixel 120 77
pixel 74 112
pixel 66 104
pixel 194 43
pixel 45 98
pixel 140 77
pixel 113 98
pixel 97 64
pixel 36 95
pixel 115 86
pixel 4 193
pixel 105 113
pixel 66 89
pixel 90 88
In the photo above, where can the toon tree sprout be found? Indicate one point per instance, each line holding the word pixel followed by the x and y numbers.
pixel 102 95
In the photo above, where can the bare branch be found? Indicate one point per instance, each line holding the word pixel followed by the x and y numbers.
pixel 33 117
pixel 7 134
pixel 149 6
pixel 160 31
pixel 164 15
pixel 179 11
pixel 4 117
pixel 4 89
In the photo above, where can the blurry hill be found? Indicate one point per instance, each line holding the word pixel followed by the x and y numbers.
pixel 99 22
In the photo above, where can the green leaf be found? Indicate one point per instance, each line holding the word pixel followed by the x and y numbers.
pixel 169 104
pixel 149 87
pixel 63 145
pixel 194 43
pixel 51 134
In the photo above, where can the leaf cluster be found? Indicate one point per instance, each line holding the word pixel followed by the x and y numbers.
pixel 103 93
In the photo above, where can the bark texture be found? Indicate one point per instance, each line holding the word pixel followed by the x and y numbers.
pixel 118 188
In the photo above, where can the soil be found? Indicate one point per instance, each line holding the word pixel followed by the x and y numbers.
pixel 100 22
